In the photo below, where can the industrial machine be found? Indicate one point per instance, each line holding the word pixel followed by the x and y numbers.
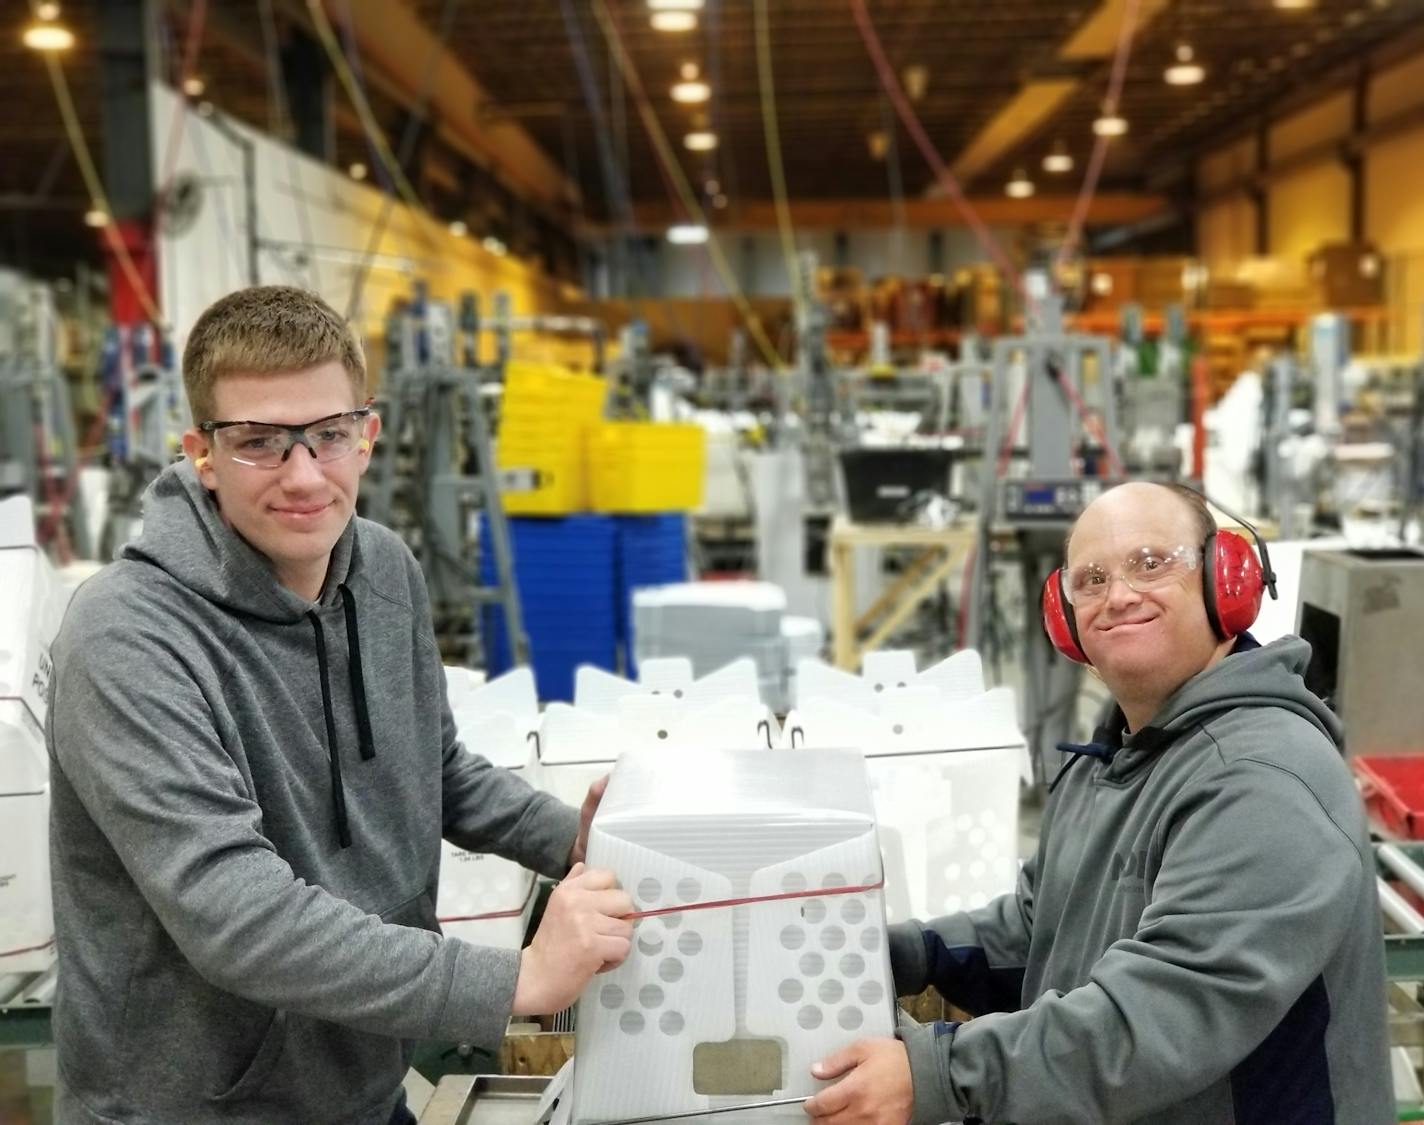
pixel 1363 613
pixel 38 448
pixel 1045 371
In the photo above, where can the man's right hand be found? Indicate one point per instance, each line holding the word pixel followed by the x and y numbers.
pixel 584 931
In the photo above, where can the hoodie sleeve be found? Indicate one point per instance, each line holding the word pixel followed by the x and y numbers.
pixel 487 809
pixel 134 736
pixel 975 960
pixel 1256 887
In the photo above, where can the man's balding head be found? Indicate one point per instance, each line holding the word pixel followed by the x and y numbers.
pixel 1145 640
pixel 1191 501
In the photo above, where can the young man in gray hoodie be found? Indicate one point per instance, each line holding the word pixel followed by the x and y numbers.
pixel 253 765
pixel 1198 937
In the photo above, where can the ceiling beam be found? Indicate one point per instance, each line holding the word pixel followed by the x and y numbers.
pixel 1108 208
pixel 394 40
pixel 1041 96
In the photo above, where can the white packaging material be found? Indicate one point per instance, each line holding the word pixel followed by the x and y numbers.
pixel 487 899
pixel 26 908
pixel 945 776
pixel 30 616
pixel 577 746
pixel 883 673
pixel 792 978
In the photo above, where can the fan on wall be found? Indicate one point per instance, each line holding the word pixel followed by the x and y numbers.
pixel 180 205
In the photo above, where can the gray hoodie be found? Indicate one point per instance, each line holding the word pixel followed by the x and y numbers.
pixel 249 793
pixel 1198 938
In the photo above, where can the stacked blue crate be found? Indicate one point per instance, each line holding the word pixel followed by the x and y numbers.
pixel 652 551
pixel 564 569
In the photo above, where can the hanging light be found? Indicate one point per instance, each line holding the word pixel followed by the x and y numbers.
pixel 687 234
pixel 494 246
pixel 700 141
pixel 96 217
pixel 459 229
pixel 1020 187
pixel 358 171
pixel 193 86
pixel 1111 123
pixel 1058 161
pixel 674 21
pixel 691 90
pixel 1101 284
pixel 1186 71
pixel 917 80
pixel 878 141
pixel 46 33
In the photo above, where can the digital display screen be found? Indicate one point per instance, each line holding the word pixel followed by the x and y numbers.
pixel 1040 495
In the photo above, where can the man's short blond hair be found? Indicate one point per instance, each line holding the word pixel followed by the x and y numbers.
pixel 265 330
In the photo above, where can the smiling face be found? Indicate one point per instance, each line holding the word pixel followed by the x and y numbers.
pixel 295 513
pixel 1145 644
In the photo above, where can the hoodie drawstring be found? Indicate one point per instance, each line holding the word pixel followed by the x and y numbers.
pixel 358 695
pixel 338 790
pixel 358 679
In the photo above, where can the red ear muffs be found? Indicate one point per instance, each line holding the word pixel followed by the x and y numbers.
pixel 1058 620
pixel 1232 584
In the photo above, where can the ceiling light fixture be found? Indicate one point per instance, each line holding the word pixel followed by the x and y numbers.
pixel 687 234
pixel 1020 187
pixel 691 93
pixel 675 5
pixel 1186 71
pixel 674 21
pixel 46 34
pixel 916 80
pixel 193 86
pixel 358 171
pixel 494 246
pixel 1058 161
pixel 878 142
pixel 459 229
pixel 700 141
pixel 96 217
pixel 1294 5
pixel 1110 124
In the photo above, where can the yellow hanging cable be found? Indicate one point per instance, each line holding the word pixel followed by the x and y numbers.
pixel 684 189
pixel 97 194
pixel 772 132
pixel 369 123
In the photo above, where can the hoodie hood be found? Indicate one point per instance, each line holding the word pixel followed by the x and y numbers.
pixel 1249 675
pixel 185 535
pixel 1269 676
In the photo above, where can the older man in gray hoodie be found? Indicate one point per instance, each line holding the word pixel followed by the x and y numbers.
pixel 1197 938
pixel 253 767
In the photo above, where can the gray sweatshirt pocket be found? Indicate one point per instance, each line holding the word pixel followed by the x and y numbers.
pixel 262 1063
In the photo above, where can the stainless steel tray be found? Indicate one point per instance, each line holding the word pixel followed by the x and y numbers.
pixel 484 1099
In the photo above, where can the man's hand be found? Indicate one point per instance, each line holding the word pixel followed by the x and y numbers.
pixel 876 1089
pixel 579 852
pixel 584 931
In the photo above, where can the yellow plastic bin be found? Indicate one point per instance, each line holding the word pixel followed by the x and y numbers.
pixel 646 466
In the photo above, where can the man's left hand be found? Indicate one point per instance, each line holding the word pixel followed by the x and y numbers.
pixel 590 806
pixel 876 1089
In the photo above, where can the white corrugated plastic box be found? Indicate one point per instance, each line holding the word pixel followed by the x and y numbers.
pixel 486 899
pixel 945 759
pixel 763 874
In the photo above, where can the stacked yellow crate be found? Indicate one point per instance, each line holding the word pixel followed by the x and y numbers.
pixel 545 420
pixel 646 466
